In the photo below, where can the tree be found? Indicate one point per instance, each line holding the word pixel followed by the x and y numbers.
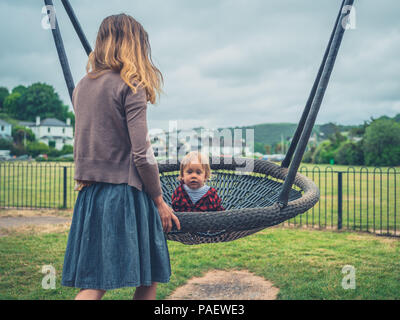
pixel 17 149
pixel 11 104
pixel 258 147
pixel 3 94
pixel 336 139
pixel 39 99
pixel 5 144
pixel 360 130
pixel 278 147
pixel 19 133
pixel 20 89
pixel 324 152
pixel 67 148
pixel 35 148
pixel 328 129
pixel 308 155
pixel 53 152
pixel 267 149
pixel 384 117
pixel 382 143
pixel 327 149
pixel 350 153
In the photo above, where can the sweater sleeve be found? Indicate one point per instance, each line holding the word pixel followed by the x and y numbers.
pixel 174 199
pixel 218 201
pixel 135 105
pixel 219 205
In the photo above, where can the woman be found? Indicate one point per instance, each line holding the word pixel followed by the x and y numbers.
pixel 116 237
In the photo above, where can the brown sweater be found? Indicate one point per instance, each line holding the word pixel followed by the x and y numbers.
pixel 111 136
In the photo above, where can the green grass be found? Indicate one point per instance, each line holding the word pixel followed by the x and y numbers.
pixel 303 264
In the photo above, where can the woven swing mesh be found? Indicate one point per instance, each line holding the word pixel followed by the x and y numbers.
pixel 249 197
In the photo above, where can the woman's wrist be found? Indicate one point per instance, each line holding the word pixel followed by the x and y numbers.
pixel 158 201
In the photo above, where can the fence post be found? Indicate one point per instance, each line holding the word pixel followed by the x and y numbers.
pixel 65 188
pixel 340 200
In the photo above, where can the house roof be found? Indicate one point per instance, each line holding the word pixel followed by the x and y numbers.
pixel 53 122
pixel 49 122
pixel 4 123
pixel 26 123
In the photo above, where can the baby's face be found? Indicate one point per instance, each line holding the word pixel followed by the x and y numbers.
pixel 194 175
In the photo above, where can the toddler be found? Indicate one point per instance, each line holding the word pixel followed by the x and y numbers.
pixel 193 194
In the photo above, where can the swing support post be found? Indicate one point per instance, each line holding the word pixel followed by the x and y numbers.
pixel 62 56
pixel 77 26
pixel 315 106
pixel 300 127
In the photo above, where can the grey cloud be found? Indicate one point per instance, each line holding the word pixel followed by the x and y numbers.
pixel 226 62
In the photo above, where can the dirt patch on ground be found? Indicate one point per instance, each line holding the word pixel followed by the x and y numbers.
pixel 36 212
pixel 226 285
pixel 33 224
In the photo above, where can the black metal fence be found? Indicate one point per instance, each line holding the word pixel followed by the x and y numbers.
pixel 33 185
pixel 362 199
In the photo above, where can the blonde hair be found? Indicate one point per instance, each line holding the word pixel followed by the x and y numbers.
pixel 195 157
pixel 123 45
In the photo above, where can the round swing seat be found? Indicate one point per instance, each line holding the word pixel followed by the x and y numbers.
pixel 250 200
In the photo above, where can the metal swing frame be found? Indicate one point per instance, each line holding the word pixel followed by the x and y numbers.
pixel 254 219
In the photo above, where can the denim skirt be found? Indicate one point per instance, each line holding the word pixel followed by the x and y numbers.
pixel 116 240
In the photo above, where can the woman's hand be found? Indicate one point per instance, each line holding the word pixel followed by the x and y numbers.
pixel 166 214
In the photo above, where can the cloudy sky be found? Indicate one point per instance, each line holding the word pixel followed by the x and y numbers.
pixel 225 62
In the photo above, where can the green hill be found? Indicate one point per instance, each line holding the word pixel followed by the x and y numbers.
pixel 273 133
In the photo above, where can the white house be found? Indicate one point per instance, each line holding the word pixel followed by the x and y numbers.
pixel 5 130
pixel 51 129
pixel 207 141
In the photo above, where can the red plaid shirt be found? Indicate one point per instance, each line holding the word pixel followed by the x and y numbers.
pixel 181 201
